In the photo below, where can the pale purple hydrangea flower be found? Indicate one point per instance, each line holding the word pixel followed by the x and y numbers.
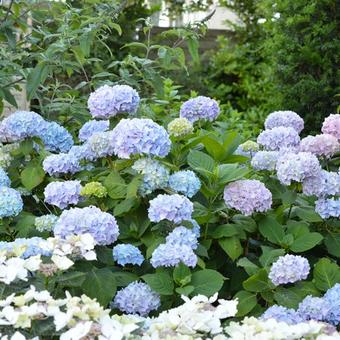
pixel 182 236
pixel 172 254
pixel 91 127
pixel 140 136
pixel 136 298
pixel 278 138
pixel 4 179
pixel 297 167
pixel 265 160
pixel 248 196
pixel 198 108
pixel 101 225
pixel 175 208
pixel 313 308
pixel 332 298
pixel 331 125
pixel 185 182
pixel 325 184
pixel 285 119
pixel 282 314
pixel 320 145
pixel 125 254
pixel 289 269
pixel 10 202
pixel 82 152
pixel 100 145
pixel 108 101
pixel 327 208
pixel 62 194
pixel 61 164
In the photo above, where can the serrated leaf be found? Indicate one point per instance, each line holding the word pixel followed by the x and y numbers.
pixel 201 162
pixel 32 176
pixel 160 282
pixel 206 282
pixel 257 282
pixel 326 274
pixel 306 242
pixel 250 267
pixel 232 246
pixel 271 230
pixel 246 302
pixel 332 242
pixel 182 274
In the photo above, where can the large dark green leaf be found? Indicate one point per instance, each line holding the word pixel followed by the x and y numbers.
pixel 115 185
pixel 32 176
pixel 232 246
pixel 207 282
pixel 332 242
pixel 271 230
pixel 201 162
pixel 306 242
pixel 257 282
pixel 160 282
pixel 36 78
pixel 246 302
pixel 326 274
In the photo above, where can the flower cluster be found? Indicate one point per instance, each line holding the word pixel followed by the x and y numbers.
pixel 285 119
pixel 198 108
pixel 140 136
pixel 5 158
pixel 180 127
pixel 4 179
pixel 155 175
pixel 95 189
pixel 99 145
pixel 331 125
pixel 289 269
pixel 313 308
pixel 327 208
pixel 321 145
pixel 247 149
pixel 136 298
pixel 282 314
pixel 75 221
pixel 108 101
pixel 175 208
pixel 45 222
pixel 11 202
pixel 265 160
pixel 185 182
pixel 62 194
pixel 62 163
pixel 91 127
pixel 324 184
pixel 125 254
pixel 248 196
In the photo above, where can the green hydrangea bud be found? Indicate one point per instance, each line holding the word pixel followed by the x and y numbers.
pixel 45 222
pixel 5 159
pixel 249 146
pixel 94 189
pixel 180 127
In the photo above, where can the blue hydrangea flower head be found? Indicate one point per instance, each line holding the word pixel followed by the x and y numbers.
pixel 4 179
pixel 45 222
pixel 140 136
pixel 289 269
pixel 108 101
pixel 10 202
pixel 324 184
pixel 82 152
pixel 175 208
pixel 313 308
pixel 285 119
pixel 182 236
pixel 101 225
pixel 60 164
pixel 155 175
pixel 332 298
pixel 248 196
pixel 196 229
pixel 282 314
pixel 327 208
pixel 198 108
pixel 125 254
pixel 55 137
pixel 185 182
pixel 278 138
pixel 62 194
pixel 265 160
pixel 137 298
pixel 91 127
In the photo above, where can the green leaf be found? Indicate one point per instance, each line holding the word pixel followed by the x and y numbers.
pixel 308 214
pixel 269 255
pixel 7 95
pixel 115 185
pixel 257 282
pixel 185 290
pixel 71 279
pixel 182 274
pixel 332 242
pixel 246 302
pixel 224 230
pixel 326 274
pixel 232 246
pixel 100 284
pixel 124 278
pixel 32 176
pixel 24 224
pixel 214 148
pixel 245 222
pixel 201 162
pixel 36 78
pixel 271 230
pixel 133 186
pixel 207 282
pixel 250 267
pixel 124 206
pixel 160 282
pixel 287 297
pixel 306 242
pixel 231 172
pixel 193 49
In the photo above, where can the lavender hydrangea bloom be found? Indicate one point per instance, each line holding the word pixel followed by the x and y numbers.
pixel 198 108
pixel 171 254
pixel 10 202
pixel 196 229
pixel 60 164
pixel 182 236
pixel 327 208
pixel 82 152
pixel 332 298
pixel 4 179
pixel 320 145
pixel 325 184
pixel 91 127
pixel 297 167
pixel 285 119
pixel 61 194
pixel 175 208
pixel 289 269
pixel 248 196
pixel 55 137
pixel 20 125
pixel 155 175
pixel 45 222
pixel 137 298
pixel 278 137
pixel 282 314
pixel 108 101
pixel 127 254
pixel 313 308
pixel 101 225
pixel 331 125
pixel 100 145
pixel 140 136
pixel 265 160
pixel 185 182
